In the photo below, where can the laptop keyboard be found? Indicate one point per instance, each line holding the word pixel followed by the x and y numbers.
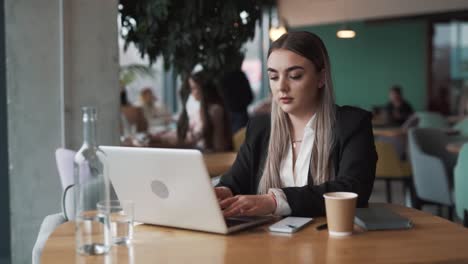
pixel 234 222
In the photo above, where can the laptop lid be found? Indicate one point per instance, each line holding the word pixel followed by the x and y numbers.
pixel 170 187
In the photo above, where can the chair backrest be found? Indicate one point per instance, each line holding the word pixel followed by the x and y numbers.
pixel 431 120
pixel 461 182
pixel 412 121
pixel 64 159
pixel 65 166
pixel 462 126
pixel 431 164
pixel 433 141
pixel 238 138
pixel 389 163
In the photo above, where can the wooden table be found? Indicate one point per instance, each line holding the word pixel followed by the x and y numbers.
pixel 379 120
pixel 398 131
pixel 389 131
pixel 432 240
pixel 219 163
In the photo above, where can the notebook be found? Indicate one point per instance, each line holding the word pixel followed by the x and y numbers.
pixel 380 218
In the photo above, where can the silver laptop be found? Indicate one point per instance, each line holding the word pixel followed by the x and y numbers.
pixel 170 187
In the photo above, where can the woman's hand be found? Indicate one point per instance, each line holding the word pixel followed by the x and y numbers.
pixel 223 193
pixel 248 205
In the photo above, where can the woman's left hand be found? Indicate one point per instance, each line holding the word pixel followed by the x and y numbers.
pixel 248 205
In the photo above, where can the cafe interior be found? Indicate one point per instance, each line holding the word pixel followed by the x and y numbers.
pixel 157 72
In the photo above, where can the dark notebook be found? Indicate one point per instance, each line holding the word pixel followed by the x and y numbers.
pixel 380 218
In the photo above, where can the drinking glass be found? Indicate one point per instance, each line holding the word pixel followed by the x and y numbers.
pixel 120 219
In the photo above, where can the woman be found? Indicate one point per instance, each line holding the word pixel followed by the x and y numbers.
pixel 238 95
pixel 311 147
pixel 213 133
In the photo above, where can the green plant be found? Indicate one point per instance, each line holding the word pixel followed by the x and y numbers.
pixel 128 73
pixel 190 32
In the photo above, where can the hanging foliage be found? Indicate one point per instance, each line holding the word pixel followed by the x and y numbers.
pixel 190 32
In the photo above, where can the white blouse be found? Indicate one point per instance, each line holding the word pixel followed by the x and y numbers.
pixel 299 176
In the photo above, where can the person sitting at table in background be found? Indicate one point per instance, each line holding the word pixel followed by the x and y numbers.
pixel 308 146
pixel 152 108
pixel 214 130
pixel 238 95
pixel 193 112
pixel 398 109
pixel 132 117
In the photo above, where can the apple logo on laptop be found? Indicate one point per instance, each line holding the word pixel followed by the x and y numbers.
pixel 160 189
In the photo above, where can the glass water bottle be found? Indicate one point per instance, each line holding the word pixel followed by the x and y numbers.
pixel 91 179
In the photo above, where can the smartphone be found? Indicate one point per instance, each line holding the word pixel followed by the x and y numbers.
pixel 290 224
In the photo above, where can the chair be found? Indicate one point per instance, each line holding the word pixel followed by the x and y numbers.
pixel 431 120
pixel 51 222
pixel 432 167
pixel 461 185
pixel 238 139
pixel 64 159
pixel 48 226
pixel 462 126
pixel 391 168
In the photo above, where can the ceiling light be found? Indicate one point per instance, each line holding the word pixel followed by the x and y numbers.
pixel 276 32
pixel 345 33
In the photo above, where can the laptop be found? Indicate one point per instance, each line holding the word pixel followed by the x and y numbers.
pixel 171 187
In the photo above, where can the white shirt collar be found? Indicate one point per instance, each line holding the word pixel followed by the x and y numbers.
pixel 310 123
pixel 300 175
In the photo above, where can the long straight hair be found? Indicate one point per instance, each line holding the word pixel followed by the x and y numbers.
pixel 310 46
pixel 211 96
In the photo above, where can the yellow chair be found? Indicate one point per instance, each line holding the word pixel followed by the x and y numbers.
pixel 391 168
pixel 238 139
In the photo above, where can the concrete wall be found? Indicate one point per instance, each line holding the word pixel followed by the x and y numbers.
pixel 60 55
pixel 4 185
pixel 34 120
pixel 91 60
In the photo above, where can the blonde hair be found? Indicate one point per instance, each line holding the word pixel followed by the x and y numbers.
pixel 310 46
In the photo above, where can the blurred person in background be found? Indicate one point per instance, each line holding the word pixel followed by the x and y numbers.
pixel 213 132
pixel 398 110
pixel 153 109
pixel 132 119
pixel 237 95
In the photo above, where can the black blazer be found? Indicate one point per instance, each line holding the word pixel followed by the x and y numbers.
pixel 354 160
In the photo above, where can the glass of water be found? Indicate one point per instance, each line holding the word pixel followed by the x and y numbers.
pixel 120 220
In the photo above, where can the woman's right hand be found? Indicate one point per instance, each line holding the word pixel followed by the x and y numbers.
pixel 223 193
